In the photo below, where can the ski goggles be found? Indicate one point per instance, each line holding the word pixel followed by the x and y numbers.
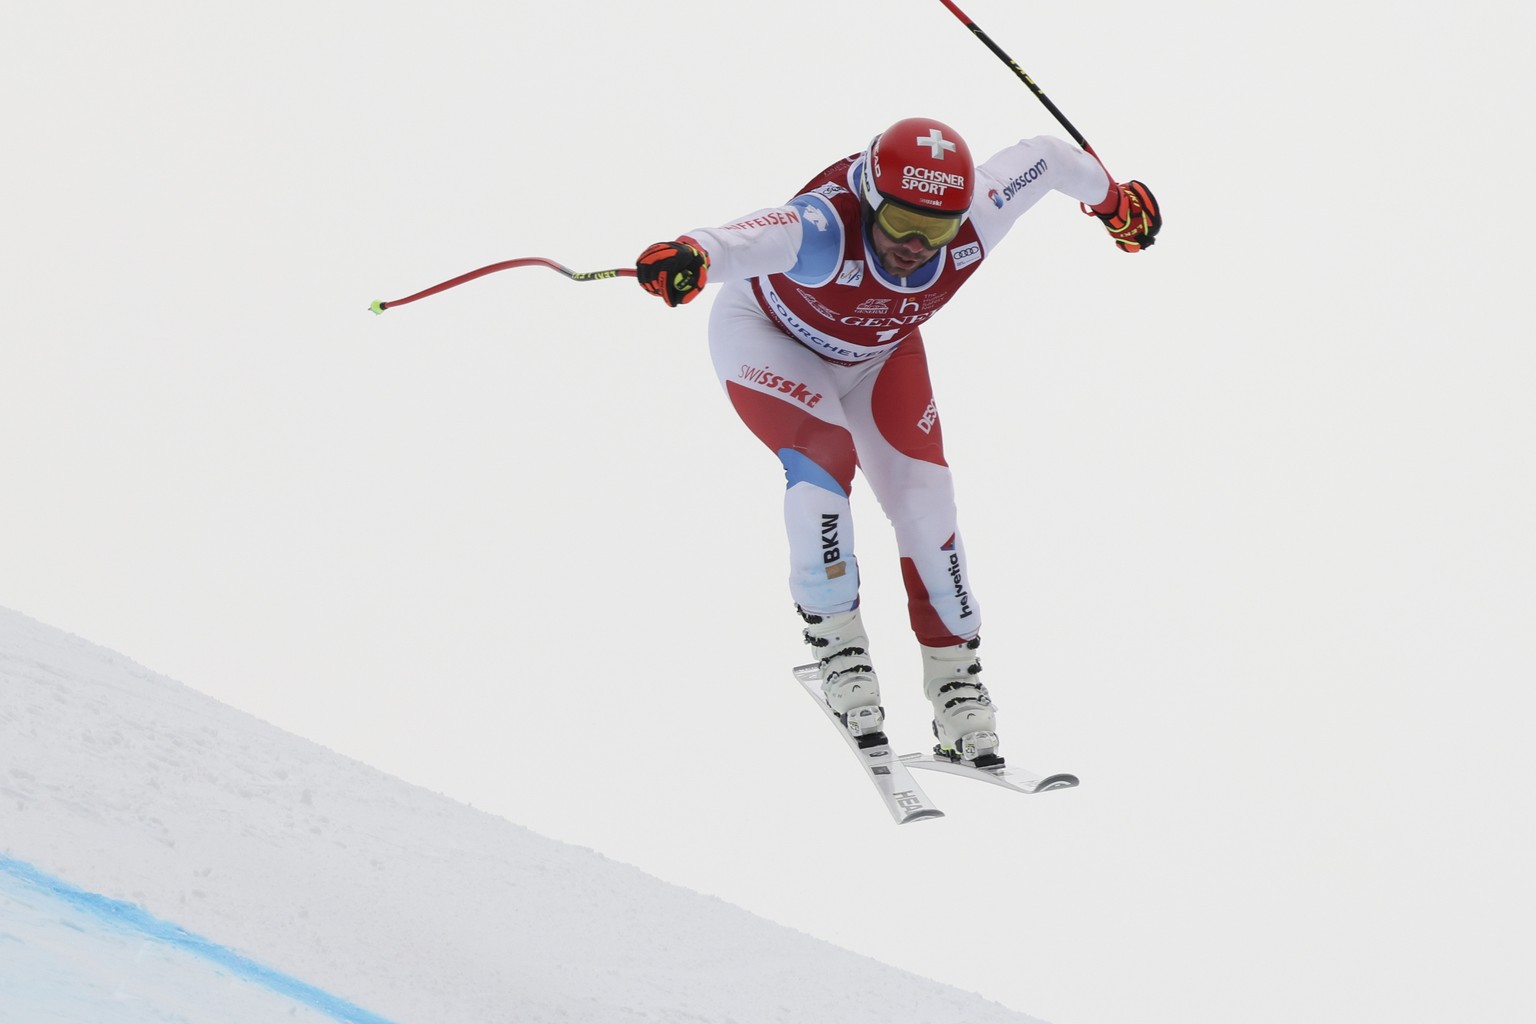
pixel 932 229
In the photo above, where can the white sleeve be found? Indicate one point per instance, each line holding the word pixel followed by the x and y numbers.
pixel 1018 177
pixel 763 242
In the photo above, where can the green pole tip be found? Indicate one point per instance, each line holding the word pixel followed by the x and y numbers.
pixel 378 307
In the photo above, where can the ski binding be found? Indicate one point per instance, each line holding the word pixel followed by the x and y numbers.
pixel 1016 779
pixel 903 797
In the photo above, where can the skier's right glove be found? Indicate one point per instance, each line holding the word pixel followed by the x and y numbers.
pixel 1130 215
pixel 674 272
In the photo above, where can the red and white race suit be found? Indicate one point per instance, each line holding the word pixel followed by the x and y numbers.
pixel 821 354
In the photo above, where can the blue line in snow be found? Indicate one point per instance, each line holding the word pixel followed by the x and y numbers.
pixel 141 921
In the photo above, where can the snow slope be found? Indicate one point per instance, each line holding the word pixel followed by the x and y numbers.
pixel 123 783
pixel 70 955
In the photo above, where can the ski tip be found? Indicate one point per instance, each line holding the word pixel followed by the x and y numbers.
pixel 1061 781
pixel 923 815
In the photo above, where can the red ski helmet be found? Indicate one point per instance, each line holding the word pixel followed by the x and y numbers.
pixel 918 180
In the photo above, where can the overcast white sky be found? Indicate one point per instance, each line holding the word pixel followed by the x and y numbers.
pixel 1250 515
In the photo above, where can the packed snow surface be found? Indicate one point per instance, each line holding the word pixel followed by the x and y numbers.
pixel 320 871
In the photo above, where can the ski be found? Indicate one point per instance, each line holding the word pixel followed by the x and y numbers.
pixel 903 797
pixel 1016 779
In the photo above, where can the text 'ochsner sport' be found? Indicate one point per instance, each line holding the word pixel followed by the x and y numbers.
pixel 925 179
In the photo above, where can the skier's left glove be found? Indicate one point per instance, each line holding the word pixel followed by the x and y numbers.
pixel 674 272
pixel 1130 214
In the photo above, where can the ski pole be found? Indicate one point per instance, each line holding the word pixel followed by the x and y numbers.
pixel 379 306
pixel 1077 136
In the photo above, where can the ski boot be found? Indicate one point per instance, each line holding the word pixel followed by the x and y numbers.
pixel 848 680
pixel 963 717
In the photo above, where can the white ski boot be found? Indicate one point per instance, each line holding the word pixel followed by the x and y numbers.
pixel 848 679
pixel 963 717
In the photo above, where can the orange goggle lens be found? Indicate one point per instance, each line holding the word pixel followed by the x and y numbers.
pixel 934 229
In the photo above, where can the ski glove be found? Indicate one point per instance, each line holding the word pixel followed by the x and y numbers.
pixel 1130 214
pixel 674 272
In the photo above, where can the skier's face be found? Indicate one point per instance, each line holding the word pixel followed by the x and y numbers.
pixel 899 258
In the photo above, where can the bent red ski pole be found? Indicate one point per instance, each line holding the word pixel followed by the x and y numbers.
pixel 528 261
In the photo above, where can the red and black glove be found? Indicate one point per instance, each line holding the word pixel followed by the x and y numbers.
pixel 674 272
pixel 1130 214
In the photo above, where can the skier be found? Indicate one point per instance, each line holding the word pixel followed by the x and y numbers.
pixel 816 339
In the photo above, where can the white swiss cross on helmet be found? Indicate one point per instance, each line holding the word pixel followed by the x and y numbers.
pixel 921 164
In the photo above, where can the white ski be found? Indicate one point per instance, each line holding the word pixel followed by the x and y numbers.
pixel 1016 779
pixel 903 797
